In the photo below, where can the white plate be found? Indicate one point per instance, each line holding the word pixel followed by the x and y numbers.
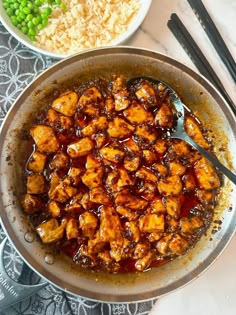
pixel 134 25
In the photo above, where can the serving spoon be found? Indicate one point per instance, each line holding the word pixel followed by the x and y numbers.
pixel 179 132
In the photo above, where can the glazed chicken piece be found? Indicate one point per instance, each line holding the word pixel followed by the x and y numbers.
pixel 110 225
pixel 175 244
pixel 152 223
pixel 105 256
pixel 92 162
pixel 164 117
pixel 149 157
pixel 85 202
pixel 44 138
pixel 126 199
pixel 96 124
pixel 136 114
pixel 170 185
pixel 146 174
pixel 119 128
pixel 131 163
pixel 190 225
pixel 66 103
pixel 176 168
pixel 146 94
pixel 173 205
pixel 54 181
pixel 88 223
pixel 54 119
pixel 120 93
pixel 54 208
pixel 72 230
pixel 132 146
pixel 100 139
pixel 143 263
pixel 60 160
pixel 36 184
pixel 181 148
pixel 74 205
pixel 99 195
pixel 96 245
pixel 109 104
pixel 189 182
pixel 148 190
pixel 93 177
pixel 80 148
pixel 146 133
pixel 206 174
pixel 37 162
pixel 62 192
pixel 89 97
pixel 124 179
pixel 74 175
pixel 140 250
pixel 50 231
pixel 31 203
pixel 205 196
pixel 160 146
pixel 157 206
pixel 161 169
pixel 112 154
pixel 127 213
pixel 194 131
pixel 133 230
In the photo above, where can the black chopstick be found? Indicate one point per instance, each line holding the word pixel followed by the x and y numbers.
pixel 214 36
pixel 196 55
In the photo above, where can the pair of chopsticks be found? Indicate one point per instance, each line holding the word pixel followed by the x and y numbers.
pixel 196 55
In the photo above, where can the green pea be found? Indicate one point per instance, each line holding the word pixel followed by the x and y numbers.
pixel 24 29
pixel 38 3
pixel 35 21
pixel 47 11
pixel 10 12
pixel 29 17
pixel 32 32
pixel 40 27
pixel 14 20
pixel 30 24
pixel 6 5
pixel 26 10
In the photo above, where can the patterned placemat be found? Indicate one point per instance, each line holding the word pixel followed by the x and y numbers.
pixel 18 66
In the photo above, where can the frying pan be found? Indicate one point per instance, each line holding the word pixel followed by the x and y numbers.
pixel 197 93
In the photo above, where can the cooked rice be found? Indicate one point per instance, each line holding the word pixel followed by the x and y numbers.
pixel 86 24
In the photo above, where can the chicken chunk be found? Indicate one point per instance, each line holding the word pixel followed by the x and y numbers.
pixel 109 104
pixel 194 131
pixel 161 169
pixel 85 202
pixel 54 208
pixel 97 124
pixel 99 195
pixel 206 174
pixel 112 154
pixel 120 93
pixel 164 117
pixel 133 231
pixel 124 179
pixel 105 256
pixel 205 196
pixel 96 244
pixel 157 206
pixel 160 146
pixel 146 94
pixel 88 223
pixel 50 231
pixel 146 133
pixel 72 229
pixel 132 146
pixel 110 225
pixel 173 206
pixel 146 174
pixel 80 148
pixel 119 128
pixel 37 162
pixel 66 103
pixel 181 148
pixel 74 175
pixel 127 213
pixel 131 163
pixel 60 160
pixel 93 177
pixel 149 157
pixel 178 245
pixel 190 225
pixel 126 199
pixel 44 138
pixel 100 140
pixel 36 184
pixel 170 185
pixel 148 190
pixel 136 114
pixel 31 203
pixel 189 182
pixel 90 96
pixel 140 250
pixel 143 263
pixel 152 223
pixel 62 192
pixel 177 168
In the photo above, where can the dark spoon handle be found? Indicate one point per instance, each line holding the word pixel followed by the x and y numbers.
pixel 213 159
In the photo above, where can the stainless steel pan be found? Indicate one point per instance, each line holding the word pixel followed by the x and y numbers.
pixel 197 93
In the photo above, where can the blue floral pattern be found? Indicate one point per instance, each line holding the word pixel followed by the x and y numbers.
pixel 18 66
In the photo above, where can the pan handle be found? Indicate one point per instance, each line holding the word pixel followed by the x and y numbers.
pixel 12 292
